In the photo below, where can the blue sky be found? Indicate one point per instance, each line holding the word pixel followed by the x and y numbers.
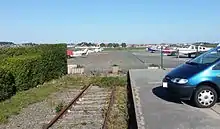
pixel 131 21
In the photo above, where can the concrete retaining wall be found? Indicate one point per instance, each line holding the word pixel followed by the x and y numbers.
pixel 135 98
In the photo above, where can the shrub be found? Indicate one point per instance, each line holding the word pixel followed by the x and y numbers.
pixel 59 107
pixel 79 66
pixel 154 65
pixel 36 64
pixel 54 60
pixel 18 51
pixel 31 66
pixel 115 65
pixel 7 84
pixel 25 71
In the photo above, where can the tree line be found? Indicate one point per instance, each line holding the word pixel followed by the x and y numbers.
pixel 11 43
pixel 103 44
pixel 6 43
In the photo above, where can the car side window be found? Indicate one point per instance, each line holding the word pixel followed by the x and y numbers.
pixel 211 57
pixel 216 67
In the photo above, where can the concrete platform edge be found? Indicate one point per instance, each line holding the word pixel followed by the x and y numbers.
pixel 137 105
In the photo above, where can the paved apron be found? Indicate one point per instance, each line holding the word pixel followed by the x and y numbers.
pixel 161 111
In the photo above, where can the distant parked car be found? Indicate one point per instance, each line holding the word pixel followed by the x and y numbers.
pixel 197 80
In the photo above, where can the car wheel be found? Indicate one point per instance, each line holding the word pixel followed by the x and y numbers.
pixel 205 97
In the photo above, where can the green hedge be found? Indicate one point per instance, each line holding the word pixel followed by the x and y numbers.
pixel 7 84
pixel 24 70
pixel 54 60
pixel 35 65
pixel 10 52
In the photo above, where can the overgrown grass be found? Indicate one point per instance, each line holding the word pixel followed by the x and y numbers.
pixel 108 81
pixel 22 99
pixel 119 114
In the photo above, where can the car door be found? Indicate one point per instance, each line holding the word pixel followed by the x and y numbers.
pixel 215 74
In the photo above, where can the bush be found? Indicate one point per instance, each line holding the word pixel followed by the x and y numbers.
pixel 7 84
pixel 18 51
pixel 59 107
pixel 36 64
pixel 154 65
pixel 54 60
pixel 25 71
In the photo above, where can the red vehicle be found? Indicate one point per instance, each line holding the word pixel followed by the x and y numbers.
pixel 168 51
pixel 69 53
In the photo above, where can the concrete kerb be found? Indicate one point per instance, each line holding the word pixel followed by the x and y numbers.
pixel 136 99
pixel 137 105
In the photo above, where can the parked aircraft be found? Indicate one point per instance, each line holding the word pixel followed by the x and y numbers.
pixel 157 48
pixel 192 50
pixel 91 49
pixel 153 49
pixel 169 51
pixel 71 53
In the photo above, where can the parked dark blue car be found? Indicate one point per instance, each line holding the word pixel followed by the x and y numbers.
pixel 197 80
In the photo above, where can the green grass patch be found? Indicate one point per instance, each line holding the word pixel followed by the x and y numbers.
pixel 108 81
pixel 119 114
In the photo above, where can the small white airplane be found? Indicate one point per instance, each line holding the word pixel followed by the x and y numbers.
pixel 91 49
pixel 98 49
pixel 191 50
pixel 71 53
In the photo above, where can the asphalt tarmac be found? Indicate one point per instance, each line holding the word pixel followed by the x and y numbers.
pixel 157 109
pixel 125 59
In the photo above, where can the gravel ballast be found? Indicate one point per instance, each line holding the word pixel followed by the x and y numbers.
pixel 36 115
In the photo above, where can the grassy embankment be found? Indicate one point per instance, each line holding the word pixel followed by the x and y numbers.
pixel 22 99
pixel 119 114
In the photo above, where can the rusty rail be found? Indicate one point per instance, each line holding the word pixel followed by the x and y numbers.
pixel 65 109
pixel 104 126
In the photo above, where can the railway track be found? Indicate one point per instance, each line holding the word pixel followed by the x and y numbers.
pixel 88 110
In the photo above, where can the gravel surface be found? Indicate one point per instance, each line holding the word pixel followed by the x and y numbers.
pixel 36 115
pixel 88 112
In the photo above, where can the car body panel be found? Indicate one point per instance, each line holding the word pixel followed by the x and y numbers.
pixel 196 74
